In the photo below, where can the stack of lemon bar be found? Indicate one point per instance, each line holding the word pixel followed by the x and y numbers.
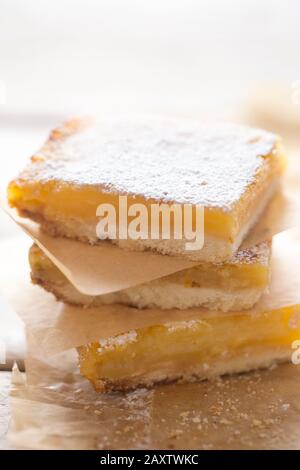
pixel 232 172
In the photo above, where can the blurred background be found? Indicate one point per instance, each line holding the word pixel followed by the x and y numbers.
pixel 211 59
pixel 171 55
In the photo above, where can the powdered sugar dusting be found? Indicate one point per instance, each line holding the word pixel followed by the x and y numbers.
pixel 259 253
pixel 181 325
pixel 120 340
pixel 171 161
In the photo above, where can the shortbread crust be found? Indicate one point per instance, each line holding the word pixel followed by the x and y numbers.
pixel 235 285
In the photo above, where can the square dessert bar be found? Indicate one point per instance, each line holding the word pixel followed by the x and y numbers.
pixel 235 285
pixel 190 350
pixel 231 171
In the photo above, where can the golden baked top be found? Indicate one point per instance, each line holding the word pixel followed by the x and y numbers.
pixel 170 161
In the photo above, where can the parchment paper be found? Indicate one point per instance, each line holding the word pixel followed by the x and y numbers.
pixel 57 409
pixel 96 270
pixel 53 327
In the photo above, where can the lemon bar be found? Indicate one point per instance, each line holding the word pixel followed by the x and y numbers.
pixel 230 171
pixel 191 350
pixel 235 285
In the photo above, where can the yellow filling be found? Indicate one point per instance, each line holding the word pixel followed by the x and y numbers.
pixel 177 348
pixel 228 276
pixel 54 200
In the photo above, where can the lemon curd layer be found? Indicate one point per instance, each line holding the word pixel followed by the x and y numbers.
pixel 229 170
pixel 191 350
pixel 234 285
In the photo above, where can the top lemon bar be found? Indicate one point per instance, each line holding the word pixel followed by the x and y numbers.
pixel 231 171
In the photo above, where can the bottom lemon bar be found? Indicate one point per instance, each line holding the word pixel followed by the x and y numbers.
pixel 191 350
pixel 235 285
